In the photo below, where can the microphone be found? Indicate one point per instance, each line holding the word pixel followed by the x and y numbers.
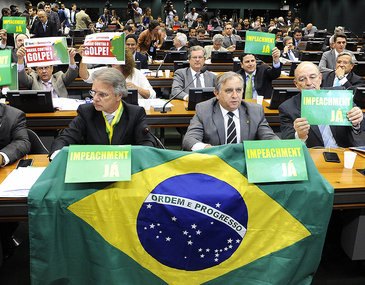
pixel 162 62
pixel 204 69
pixel 159 143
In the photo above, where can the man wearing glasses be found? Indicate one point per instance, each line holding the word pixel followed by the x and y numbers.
pixel 108 120
pixel 191 75
pixel 292 125
pixel 44 79
pixel 226 119
pixel 343 75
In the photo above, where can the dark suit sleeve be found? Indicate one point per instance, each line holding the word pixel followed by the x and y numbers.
pixel 19 144
pixel 273 73
pixel 142 136
pixel 286 122
pixel 74 134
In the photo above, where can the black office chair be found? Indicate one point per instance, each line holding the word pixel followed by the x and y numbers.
pixel 36 145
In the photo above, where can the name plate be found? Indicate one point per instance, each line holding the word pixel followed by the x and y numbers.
pixel 259 43
pixel 98 163
pixel 326 107
pixel 275 161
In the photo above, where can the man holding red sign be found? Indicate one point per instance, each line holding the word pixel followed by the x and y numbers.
pixel 44 79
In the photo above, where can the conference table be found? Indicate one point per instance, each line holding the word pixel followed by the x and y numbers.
pixel 166 82
pixel 349 184
pixel 177 117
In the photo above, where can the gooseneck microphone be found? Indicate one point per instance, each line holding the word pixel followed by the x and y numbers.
pixel 159 143
pixel 204 69
pixel 159 67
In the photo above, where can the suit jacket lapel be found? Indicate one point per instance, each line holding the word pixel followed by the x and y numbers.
pixel 100 127
pixel 244 123
pixel 189 78
pixel 120 129
pixel 218 122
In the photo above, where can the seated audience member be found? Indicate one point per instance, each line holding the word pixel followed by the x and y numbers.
pixel 131 44
pixel 199 23
pixel 258 78
pixel 217 45
pixel 328 60
pixel 297 35
pixel 134 77
pixel 309 30
pixel 4 40
pixel 184 76
pixel 179 42
pixel 192 38
pixel 128 30
pixel 150 39
pixel 292 125
pixel 343 74
pixel 44 27
pixel 14 144
pixel 227 119
pixel 108 120
pixel 230 39
pixel 246 25
pixel 44 79
pixel 289 52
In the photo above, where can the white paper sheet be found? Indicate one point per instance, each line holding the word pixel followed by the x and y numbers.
pixel 19 181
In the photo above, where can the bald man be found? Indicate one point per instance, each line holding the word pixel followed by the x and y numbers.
pixel 292 125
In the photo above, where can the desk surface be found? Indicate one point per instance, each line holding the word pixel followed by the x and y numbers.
pixel 177 117
pixel 349 185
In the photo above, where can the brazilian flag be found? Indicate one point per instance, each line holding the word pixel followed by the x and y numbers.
pixel 184 218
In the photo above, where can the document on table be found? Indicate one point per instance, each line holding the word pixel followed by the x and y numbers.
pixel 67 104
pixel 19 181
pixel 153 103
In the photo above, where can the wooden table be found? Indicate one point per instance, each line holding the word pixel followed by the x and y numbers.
pixel 177 117
pixel 16 209
pixel 349 185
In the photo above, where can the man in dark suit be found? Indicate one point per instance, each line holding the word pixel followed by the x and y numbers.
pixel 14 141
pixel 292 125
pixel 343 75
pixel 14 144
pixel 44 27
pixel 108 120
pixel 191 75
pixel 260 76
pixel 227 119
pixel 289 52
pixel 131 44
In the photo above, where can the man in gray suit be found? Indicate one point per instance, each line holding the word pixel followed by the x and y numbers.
pixel 328 60
pixel 227 119
pixel 44 79
pixel 189 77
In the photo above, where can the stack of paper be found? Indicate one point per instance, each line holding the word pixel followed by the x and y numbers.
pixel 19 181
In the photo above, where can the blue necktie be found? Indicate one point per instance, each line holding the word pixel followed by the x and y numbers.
pixel 327 136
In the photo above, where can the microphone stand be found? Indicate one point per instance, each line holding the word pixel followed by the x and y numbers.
pixel 204 69
pixel 159 67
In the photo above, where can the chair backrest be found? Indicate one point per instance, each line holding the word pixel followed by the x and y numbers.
pixel 36 145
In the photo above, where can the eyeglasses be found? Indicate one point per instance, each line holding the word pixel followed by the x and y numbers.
pixel 343 62
pixel 101 95
pixel 197 57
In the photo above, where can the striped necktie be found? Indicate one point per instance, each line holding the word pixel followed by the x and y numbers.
pixel 231 129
